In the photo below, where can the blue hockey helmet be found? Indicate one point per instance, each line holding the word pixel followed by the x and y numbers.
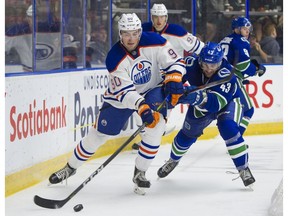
pixel 241 22
pixel 210 58
pixel 212 53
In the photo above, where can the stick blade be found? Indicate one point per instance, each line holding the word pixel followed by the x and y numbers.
pixel 47 203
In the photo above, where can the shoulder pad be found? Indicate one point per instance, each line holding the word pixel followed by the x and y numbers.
pixel 151 39
pixel 176 30
pixel 114 57
pixel 147 26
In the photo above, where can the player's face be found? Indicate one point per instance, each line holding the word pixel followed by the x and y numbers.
pixel 159 22
pixel 209 69
pixel 130 39
pixel 245 32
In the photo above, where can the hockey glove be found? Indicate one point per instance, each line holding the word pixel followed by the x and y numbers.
pixel 194 98
pixel 260 69
pixel 149 117
pixel 245 82
pixel 173 86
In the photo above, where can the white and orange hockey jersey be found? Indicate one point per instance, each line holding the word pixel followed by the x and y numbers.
pixel 180 39
pixel 134 74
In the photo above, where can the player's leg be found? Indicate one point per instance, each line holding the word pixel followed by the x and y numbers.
pixel 151 139
pixel 191 130
pixel 110 122
pixel 228 124
pixel 169 128
pixel 248 109
pixel 148 149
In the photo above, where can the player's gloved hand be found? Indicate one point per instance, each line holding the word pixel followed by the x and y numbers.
pixel 188 89
pixel 174 86
pixel 260 69
pixel 245 82
pixel 194 98
pixel 149 117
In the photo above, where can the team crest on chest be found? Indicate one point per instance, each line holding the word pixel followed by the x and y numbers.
pixel 141 72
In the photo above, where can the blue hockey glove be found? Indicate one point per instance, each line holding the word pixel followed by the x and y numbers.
pixel 194 98
pixel 149 117
pixel 174 86
pixel 246 82
pixel 188 89
pixel 260 69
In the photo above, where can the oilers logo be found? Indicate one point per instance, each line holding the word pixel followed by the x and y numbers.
pixel 141 73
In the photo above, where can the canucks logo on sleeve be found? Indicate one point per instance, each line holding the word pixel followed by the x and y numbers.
pixel 141 72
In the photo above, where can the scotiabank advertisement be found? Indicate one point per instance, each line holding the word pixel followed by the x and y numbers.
pixel 47 115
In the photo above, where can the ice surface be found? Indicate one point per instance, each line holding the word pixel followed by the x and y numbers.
pixel 199 186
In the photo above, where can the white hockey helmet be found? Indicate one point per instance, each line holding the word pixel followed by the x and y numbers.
pixel 128 22
pixel 29 11
pixel 159 10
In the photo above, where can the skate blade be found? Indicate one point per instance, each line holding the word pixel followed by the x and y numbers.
pixel 250 187
pixel 139 190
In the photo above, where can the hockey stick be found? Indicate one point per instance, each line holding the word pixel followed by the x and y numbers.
pixel 212 84
pixel 56 204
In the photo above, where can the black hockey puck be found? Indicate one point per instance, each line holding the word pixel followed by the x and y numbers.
pixel 78 207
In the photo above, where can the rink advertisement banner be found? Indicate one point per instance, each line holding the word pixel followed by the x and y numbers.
pixel 47 115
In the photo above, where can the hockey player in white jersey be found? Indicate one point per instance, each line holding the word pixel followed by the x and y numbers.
pixel 136 84
pixel 182 41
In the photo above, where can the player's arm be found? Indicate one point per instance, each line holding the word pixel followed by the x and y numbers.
pixel 174 68
pixel 191 44
pixel 213 99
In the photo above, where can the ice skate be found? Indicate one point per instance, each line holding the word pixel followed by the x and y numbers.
pixel 247 177
pixel 62 174
pixel 140 182
pixel 167 168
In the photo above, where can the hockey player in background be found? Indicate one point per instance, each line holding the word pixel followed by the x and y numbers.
pixel 47 45
pixel 182 41
pixel 236 48
pixel 136 85
pixel 221 103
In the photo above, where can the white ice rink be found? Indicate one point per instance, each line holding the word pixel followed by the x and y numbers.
pixel 199 186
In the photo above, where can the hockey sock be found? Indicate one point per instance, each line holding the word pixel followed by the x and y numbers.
pixel 246 120
pixel 180 145
pixel 87 147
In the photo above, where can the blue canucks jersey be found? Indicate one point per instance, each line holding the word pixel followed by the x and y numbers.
pixel 218 96
pixel 237 51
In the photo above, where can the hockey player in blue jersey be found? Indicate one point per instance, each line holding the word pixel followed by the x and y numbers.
pixel 221 103
pixel 237 51
pixel 183 42
pixel 136 84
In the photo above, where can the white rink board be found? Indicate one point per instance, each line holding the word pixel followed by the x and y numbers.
pixel 30 139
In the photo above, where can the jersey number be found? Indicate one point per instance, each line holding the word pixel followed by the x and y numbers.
pixel 226 87
pixel 172 53
pixel 115 81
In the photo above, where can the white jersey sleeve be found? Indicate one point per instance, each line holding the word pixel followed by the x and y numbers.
pixel 182 40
